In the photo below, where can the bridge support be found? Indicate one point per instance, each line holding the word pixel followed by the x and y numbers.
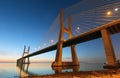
pixel 22 61
pixel 111 60
pixel 60 68
pixel 58 59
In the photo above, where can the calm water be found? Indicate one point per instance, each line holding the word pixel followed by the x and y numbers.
pixel 9 70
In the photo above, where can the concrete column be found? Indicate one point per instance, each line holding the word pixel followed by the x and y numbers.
pixel 74 55
pixel 58 59
pixel 108 47
pixel 73 49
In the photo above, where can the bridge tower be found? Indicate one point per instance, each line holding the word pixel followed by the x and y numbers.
pixel 26 53
pixel 22 61
pixel 58 59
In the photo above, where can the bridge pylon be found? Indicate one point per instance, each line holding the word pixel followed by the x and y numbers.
pixel 58 59
pixel 22 61
pixel 26 53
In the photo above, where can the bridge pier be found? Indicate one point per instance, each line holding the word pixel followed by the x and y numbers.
pixel 59 69
pixel 110 55
pixel 22 61
pixel 58 59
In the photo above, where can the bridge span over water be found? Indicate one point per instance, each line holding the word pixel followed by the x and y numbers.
pixel 112 27
pixel 103 31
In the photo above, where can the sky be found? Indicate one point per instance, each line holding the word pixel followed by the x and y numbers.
pixel 24 22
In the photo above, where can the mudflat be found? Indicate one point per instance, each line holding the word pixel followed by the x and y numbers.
pixel 111 73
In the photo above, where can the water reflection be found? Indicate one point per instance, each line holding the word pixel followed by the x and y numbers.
pixel 9 70
pixel 66 68
pixel 45 68
pixel 23 70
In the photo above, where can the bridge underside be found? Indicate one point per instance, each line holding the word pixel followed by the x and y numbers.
pixel 113 27
pixel 92 34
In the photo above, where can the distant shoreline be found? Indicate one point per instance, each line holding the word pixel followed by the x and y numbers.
pixel 31 62
pixel 51 62
pixel 7 62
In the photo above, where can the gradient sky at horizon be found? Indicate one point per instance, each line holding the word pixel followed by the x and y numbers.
pixel 24 22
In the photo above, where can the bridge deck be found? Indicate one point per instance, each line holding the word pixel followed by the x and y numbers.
pixel 113 27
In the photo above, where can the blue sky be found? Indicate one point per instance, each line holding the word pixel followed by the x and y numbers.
pixel 24 22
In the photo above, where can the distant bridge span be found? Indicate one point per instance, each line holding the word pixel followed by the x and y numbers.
pixel 113 27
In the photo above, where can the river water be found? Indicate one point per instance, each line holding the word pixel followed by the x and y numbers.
pixel 10 70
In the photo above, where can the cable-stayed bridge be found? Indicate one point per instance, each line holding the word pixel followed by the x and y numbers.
pixel 81 26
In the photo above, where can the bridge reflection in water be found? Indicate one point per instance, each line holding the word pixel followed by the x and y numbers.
pixel 25 71
pixel 59 69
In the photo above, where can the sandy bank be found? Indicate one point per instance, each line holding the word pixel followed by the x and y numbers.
pixel 83 74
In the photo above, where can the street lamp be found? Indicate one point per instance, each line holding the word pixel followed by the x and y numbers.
pixel 116 9
pixel 109 13
pixel 78 28
pixel 51 41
